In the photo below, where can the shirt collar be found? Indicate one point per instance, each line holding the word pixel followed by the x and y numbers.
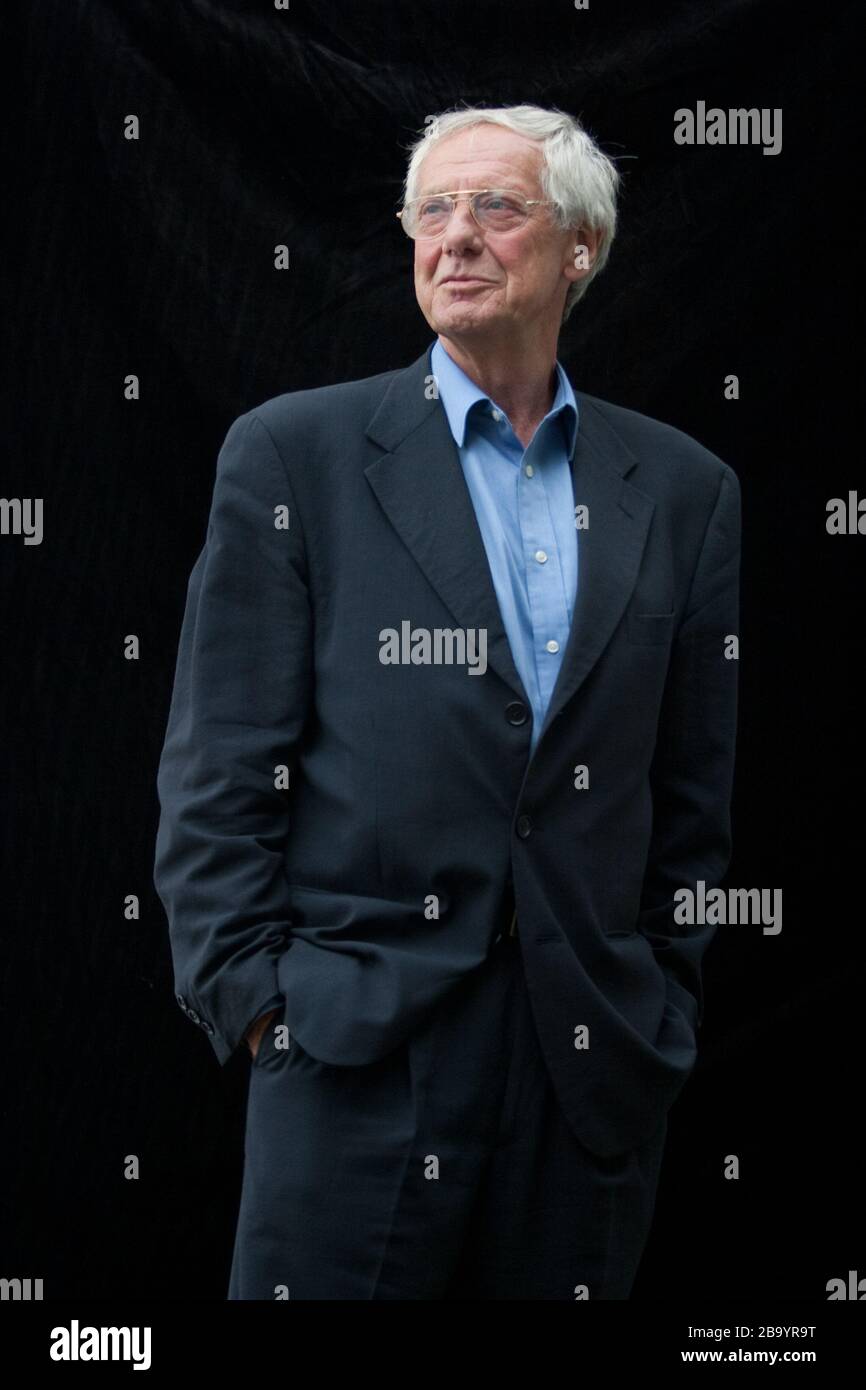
pixel 459 393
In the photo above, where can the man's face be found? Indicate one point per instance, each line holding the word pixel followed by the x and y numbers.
pixel 519 278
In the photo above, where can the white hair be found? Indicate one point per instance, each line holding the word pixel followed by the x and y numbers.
pixel 576 176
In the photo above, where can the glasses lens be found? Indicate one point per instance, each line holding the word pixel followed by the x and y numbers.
pixel 429 216
pixel 499 211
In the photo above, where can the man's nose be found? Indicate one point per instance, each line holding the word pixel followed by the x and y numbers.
pixel 462 229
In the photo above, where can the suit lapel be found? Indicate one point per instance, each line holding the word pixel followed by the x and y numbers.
pixel 420 486
pixel 609 550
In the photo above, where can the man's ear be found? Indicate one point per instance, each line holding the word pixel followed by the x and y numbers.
pixel 582 249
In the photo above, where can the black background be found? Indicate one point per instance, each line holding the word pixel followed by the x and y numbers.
pixel 155 257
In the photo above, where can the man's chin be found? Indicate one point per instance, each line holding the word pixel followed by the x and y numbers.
pixel 464 319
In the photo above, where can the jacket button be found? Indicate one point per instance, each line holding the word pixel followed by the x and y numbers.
pixel 516 712
pixel 524 826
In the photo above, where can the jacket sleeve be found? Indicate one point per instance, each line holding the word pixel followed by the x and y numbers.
pixel 240 699
pixel 692 771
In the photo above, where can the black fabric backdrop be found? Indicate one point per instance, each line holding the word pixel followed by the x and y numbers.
pixel 155 257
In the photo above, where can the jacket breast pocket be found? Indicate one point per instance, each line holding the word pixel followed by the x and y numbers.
pixel 650 629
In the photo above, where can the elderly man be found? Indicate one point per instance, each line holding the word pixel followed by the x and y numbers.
pixel 435 893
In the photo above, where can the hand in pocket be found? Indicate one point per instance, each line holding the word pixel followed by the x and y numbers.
pixel 255 1032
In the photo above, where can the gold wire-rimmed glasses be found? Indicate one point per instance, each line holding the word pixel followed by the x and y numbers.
pixel 494 209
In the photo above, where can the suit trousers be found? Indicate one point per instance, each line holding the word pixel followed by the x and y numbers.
pixel 445 1170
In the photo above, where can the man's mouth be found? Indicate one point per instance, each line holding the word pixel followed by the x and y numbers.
pixel 465 280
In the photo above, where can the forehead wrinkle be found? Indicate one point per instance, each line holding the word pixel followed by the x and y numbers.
pixel 511 178
pixel 528 184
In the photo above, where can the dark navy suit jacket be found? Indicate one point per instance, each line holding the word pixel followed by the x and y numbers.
pixel 410 787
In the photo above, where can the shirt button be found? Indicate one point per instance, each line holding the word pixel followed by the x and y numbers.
pixel 541 556
pixel 529 470
pixel 552 645
pixel 497 414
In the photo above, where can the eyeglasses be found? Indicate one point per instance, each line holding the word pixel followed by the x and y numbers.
pixel 494 209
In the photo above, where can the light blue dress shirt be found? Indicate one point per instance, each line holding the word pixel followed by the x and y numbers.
pixel 524 502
